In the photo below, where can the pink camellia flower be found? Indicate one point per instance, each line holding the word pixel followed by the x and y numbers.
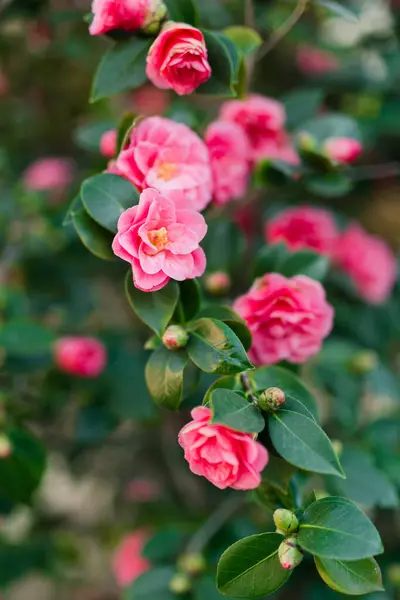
pixel 262 120
pixel 369 262
pixel 343 149
pixel 178 59
pixel 149 100
pixel 229 153
pixel 143 490
pixel 226 457
pixel 128 562
pixel 128 15
pixel 108 143
pixel 288 318
pixel 167 156
pixel 82 356
pixel 304 227
pixel 314 61
pixel 161 241
pixel 49 173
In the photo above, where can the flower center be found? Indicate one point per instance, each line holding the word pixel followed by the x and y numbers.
pixel 158 238
pixel 167 171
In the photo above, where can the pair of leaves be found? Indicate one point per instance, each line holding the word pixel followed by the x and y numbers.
pixel 278 259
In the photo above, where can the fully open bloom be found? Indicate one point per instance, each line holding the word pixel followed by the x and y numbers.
pixel 128 15
pixel 229 154
pixel 369 262
pixel 108 143
pixel 304 227
pixel 343 149
pixel 226 457
pixel 288 318
pixel 167 156
pixel 83 356
pixel 49 173
pixel 160 241
pixel 128 562
pixel 178 59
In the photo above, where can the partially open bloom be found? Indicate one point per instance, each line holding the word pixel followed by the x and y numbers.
pixel 304 227
pixel 160 241
pixel 82 356
pixel 128 15
pixel 314 61
pixel 49 173
pixel 288 318
pixel 178 59
pixel 108 143
pixel 128 562
pixel 343 149
pixel 167 156
pixel 226 457
pixel 229 154
pixel 369 262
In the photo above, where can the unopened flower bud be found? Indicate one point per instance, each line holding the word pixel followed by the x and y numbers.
pixel 5 446
pixel 175 337
pixel 155 17
pixel 393 574
pixel 218 283
pixel 338 447
pixel 363 362
pixel 290 555
pixel 192 564
pixel 285 521
pixel 180 584
pixel 307 142
pixel 272 399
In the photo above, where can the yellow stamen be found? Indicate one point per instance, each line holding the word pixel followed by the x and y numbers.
pixel 158 238
pixel 167 171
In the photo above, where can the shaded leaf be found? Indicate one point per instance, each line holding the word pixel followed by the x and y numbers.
pixel 352 578
pixel 232 410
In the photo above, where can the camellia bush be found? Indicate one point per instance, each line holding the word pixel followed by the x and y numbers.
pixel 200 316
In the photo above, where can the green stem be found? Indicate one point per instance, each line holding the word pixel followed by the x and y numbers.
pixel 246 384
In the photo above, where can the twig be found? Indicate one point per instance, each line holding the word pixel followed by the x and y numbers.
pixel 245 381
pixel 283 29
pixel 249 19
pixel 371 172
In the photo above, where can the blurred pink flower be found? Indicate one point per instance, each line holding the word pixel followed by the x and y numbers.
pixel 128 15
pixel 143 490
pixel 49 173
pixel 108 143
pixel 343 149
pixel 128 562
pixel 82 356
pixel 314 61
pixel 149 100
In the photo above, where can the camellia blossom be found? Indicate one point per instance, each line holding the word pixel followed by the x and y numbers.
pixel 288 318
pixel 160 241
pixel 314 61
pixel 82 356
pixel 108 143
pixel 369 262
pixel 177 59
pixel 304 227
pixel 128 562
pixel 229 154
pixel 128 15
pixel 166 155
pixel 343 149
pixel 226 457
pixel 49 173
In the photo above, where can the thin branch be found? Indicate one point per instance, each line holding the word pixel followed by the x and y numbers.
pixel 372 172
pixel 284 29
pixel 249 18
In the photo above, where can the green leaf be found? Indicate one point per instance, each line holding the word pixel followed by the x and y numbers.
pixel 88 136
pixel 22 471
pixel 224 60
pixel 251 568
pixel 224 246
pixel 302 442
pixel 245 38
pixel 164 377
pixel 124 129
pixel 165 545
pixel 352 578
pixel 232 410
pixel 155 309
pixel 205 589
pixel 151 585
pixel 17 560
pixel 190 298
pixel 329 185
pixel 336 528
pixel 106 197
pixel 305 262
pixel 183 11
pixel 121 68
pixel 269 258
pixel 26 339
pixel 215 348
pixel 96 239
pixel 338 10
pixel 241 330
pixel 301 105
pixel 75 205
pixel 274 172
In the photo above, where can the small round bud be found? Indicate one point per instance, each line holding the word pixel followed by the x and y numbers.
pixel 285 521
pixel 290 555
pixel 307 141
pixel 272 399
pixel 154 21
pixel 338 447
pixel 217 283
pixel 175 337
pixel 192 564
pixel 5 446
pixel 393 574
pixel 363 362
pixel 180 584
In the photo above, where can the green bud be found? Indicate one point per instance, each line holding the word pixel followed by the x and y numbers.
pixel 180 584
pixel 285 521
pixel 290 555
pixel 155 18
pixel 272 399
pixel 393 574
pixel 175 337
pixel 307 142
pixel 363 362
pixel 338 447
pixel 192 564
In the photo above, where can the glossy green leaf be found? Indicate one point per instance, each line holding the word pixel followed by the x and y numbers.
pixel 164 377
pixel 224 246
pixel 251 568
pixel 329 185
pixel 224 60
pixel 151 585
pixel 302 442
pixel 26 339
pixel 241 330
pixel 230 318
pixel 106 197
pixel 121 68
pixel 232 410
pixel 215 348
pixel 96 239
pixel 336 528
pixel 350 577
pixel 75 206
pixel 88 136
pixel 246 39
pixel 338 10
pixel 305 262
pixel 165 545
pixel 270 258
pixel 183 11
pixel 274 172
pixel 153 308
